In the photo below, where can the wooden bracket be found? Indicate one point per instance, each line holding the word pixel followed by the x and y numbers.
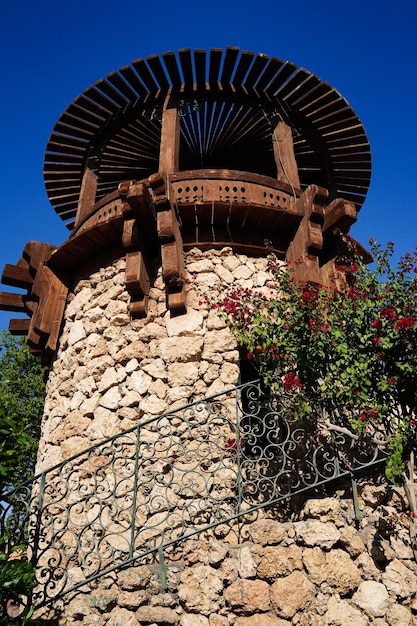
pixel 302 255
pixel 170 239
pixel 44 301
pixel 138 229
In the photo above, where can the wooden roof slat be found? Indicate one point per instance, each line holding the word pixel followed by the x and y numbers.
pixel 243 64
pixel 257 66
pixel 145 75
pixel 69 130
pixel 89 111
pixel 60 139
pixel 214 67
pixel 292 83
pixel 98 101
pixel 53 157
pixel 72 117
pixel 133 81
pixel 170 61
pixel 228 65
pixel 186 66
pixel 200 67
pixel 282 75
pixel 269 72
pixel 158 70
pixel 303 90
pixel 117 89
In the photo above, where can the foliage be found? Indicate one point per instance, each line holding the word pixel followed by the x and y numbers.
pixel 21 405
pixel 348 350
pixel 22 393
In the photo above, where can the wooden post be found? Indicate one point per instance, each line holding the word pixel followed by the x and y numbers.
pixel 287 170
pixel 87 194
pixel 170 138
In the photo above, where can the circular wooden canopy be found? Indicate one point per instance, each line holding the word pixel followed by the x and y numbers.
pixel 229 102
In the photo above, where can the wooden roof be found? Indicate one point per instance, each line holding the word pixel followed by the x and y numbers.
pixel 228 101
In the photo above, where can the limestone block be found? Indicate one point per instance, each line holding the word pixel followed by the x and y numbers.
pixel 157 614
pixel 280 561
pixel 153 405
pixel 342 613
pixel 290 594
pixel 247 566
pixel 156 368
pixel 130 399
pixel 242 272
pixel 182 325
pixel 399 615
pixel 248 596
pixel 224 274
pixel 368 568
pixel 111 399
pixel 103 425
pixel 181 349
pixel 197 267
pixel 351 540
pixel 108 380
pixel 261 620
pixel 152 331
pixel 135 350
pixel 190 619
pixel 342 574
pixel 132 599
pixel 122 617
pixel 77 333
pixel 372 597
pixel 134 578
pixel 200 589
pixel 216 343
pixel 269 532
pixel 399 580
pixel 140 382
pixel 325 509
pixel 315 563
pixel 214 322
pixel 315 533
pixel 72 445
pixel 182 373
pixel 89 405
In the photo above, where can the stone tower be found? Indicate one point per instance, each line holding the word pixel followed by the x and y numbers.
pixel 176 175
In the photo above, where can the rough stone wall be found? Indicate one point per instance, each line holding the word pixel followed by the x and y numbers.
pixel 110 369
pixel 315 566
pixel 319 570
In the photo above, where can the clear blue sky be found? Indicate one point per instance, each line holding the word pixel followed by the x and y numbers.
pixel 51 51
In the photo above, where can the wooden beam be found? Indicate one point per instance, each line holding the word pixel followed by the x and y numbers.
pixel 17 276
pixel 87 196
pixel 283 145
pixel 170 139
pixel 19 326
pixel 339 214
pixel 12 302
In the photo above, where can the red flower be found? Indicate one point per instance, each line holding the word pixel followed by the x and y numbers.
pixel 377 324
pixel 388 312
pixel 405 322
pixel 363 417
pixel 291 381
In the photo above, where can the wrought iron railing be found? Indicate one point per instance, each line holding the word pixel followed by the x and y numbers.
pixel 169 478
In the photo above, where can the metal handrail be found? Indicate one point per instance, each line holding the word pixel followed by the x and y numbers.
pixel 169 478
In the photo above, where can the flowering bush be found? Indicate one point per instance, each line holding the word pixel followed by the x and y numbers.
pixel 349 350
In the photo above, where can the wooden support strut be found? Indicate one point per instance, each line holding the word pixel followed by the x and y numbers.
pixel 44 301
pixel 138 215
pixel 171 247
